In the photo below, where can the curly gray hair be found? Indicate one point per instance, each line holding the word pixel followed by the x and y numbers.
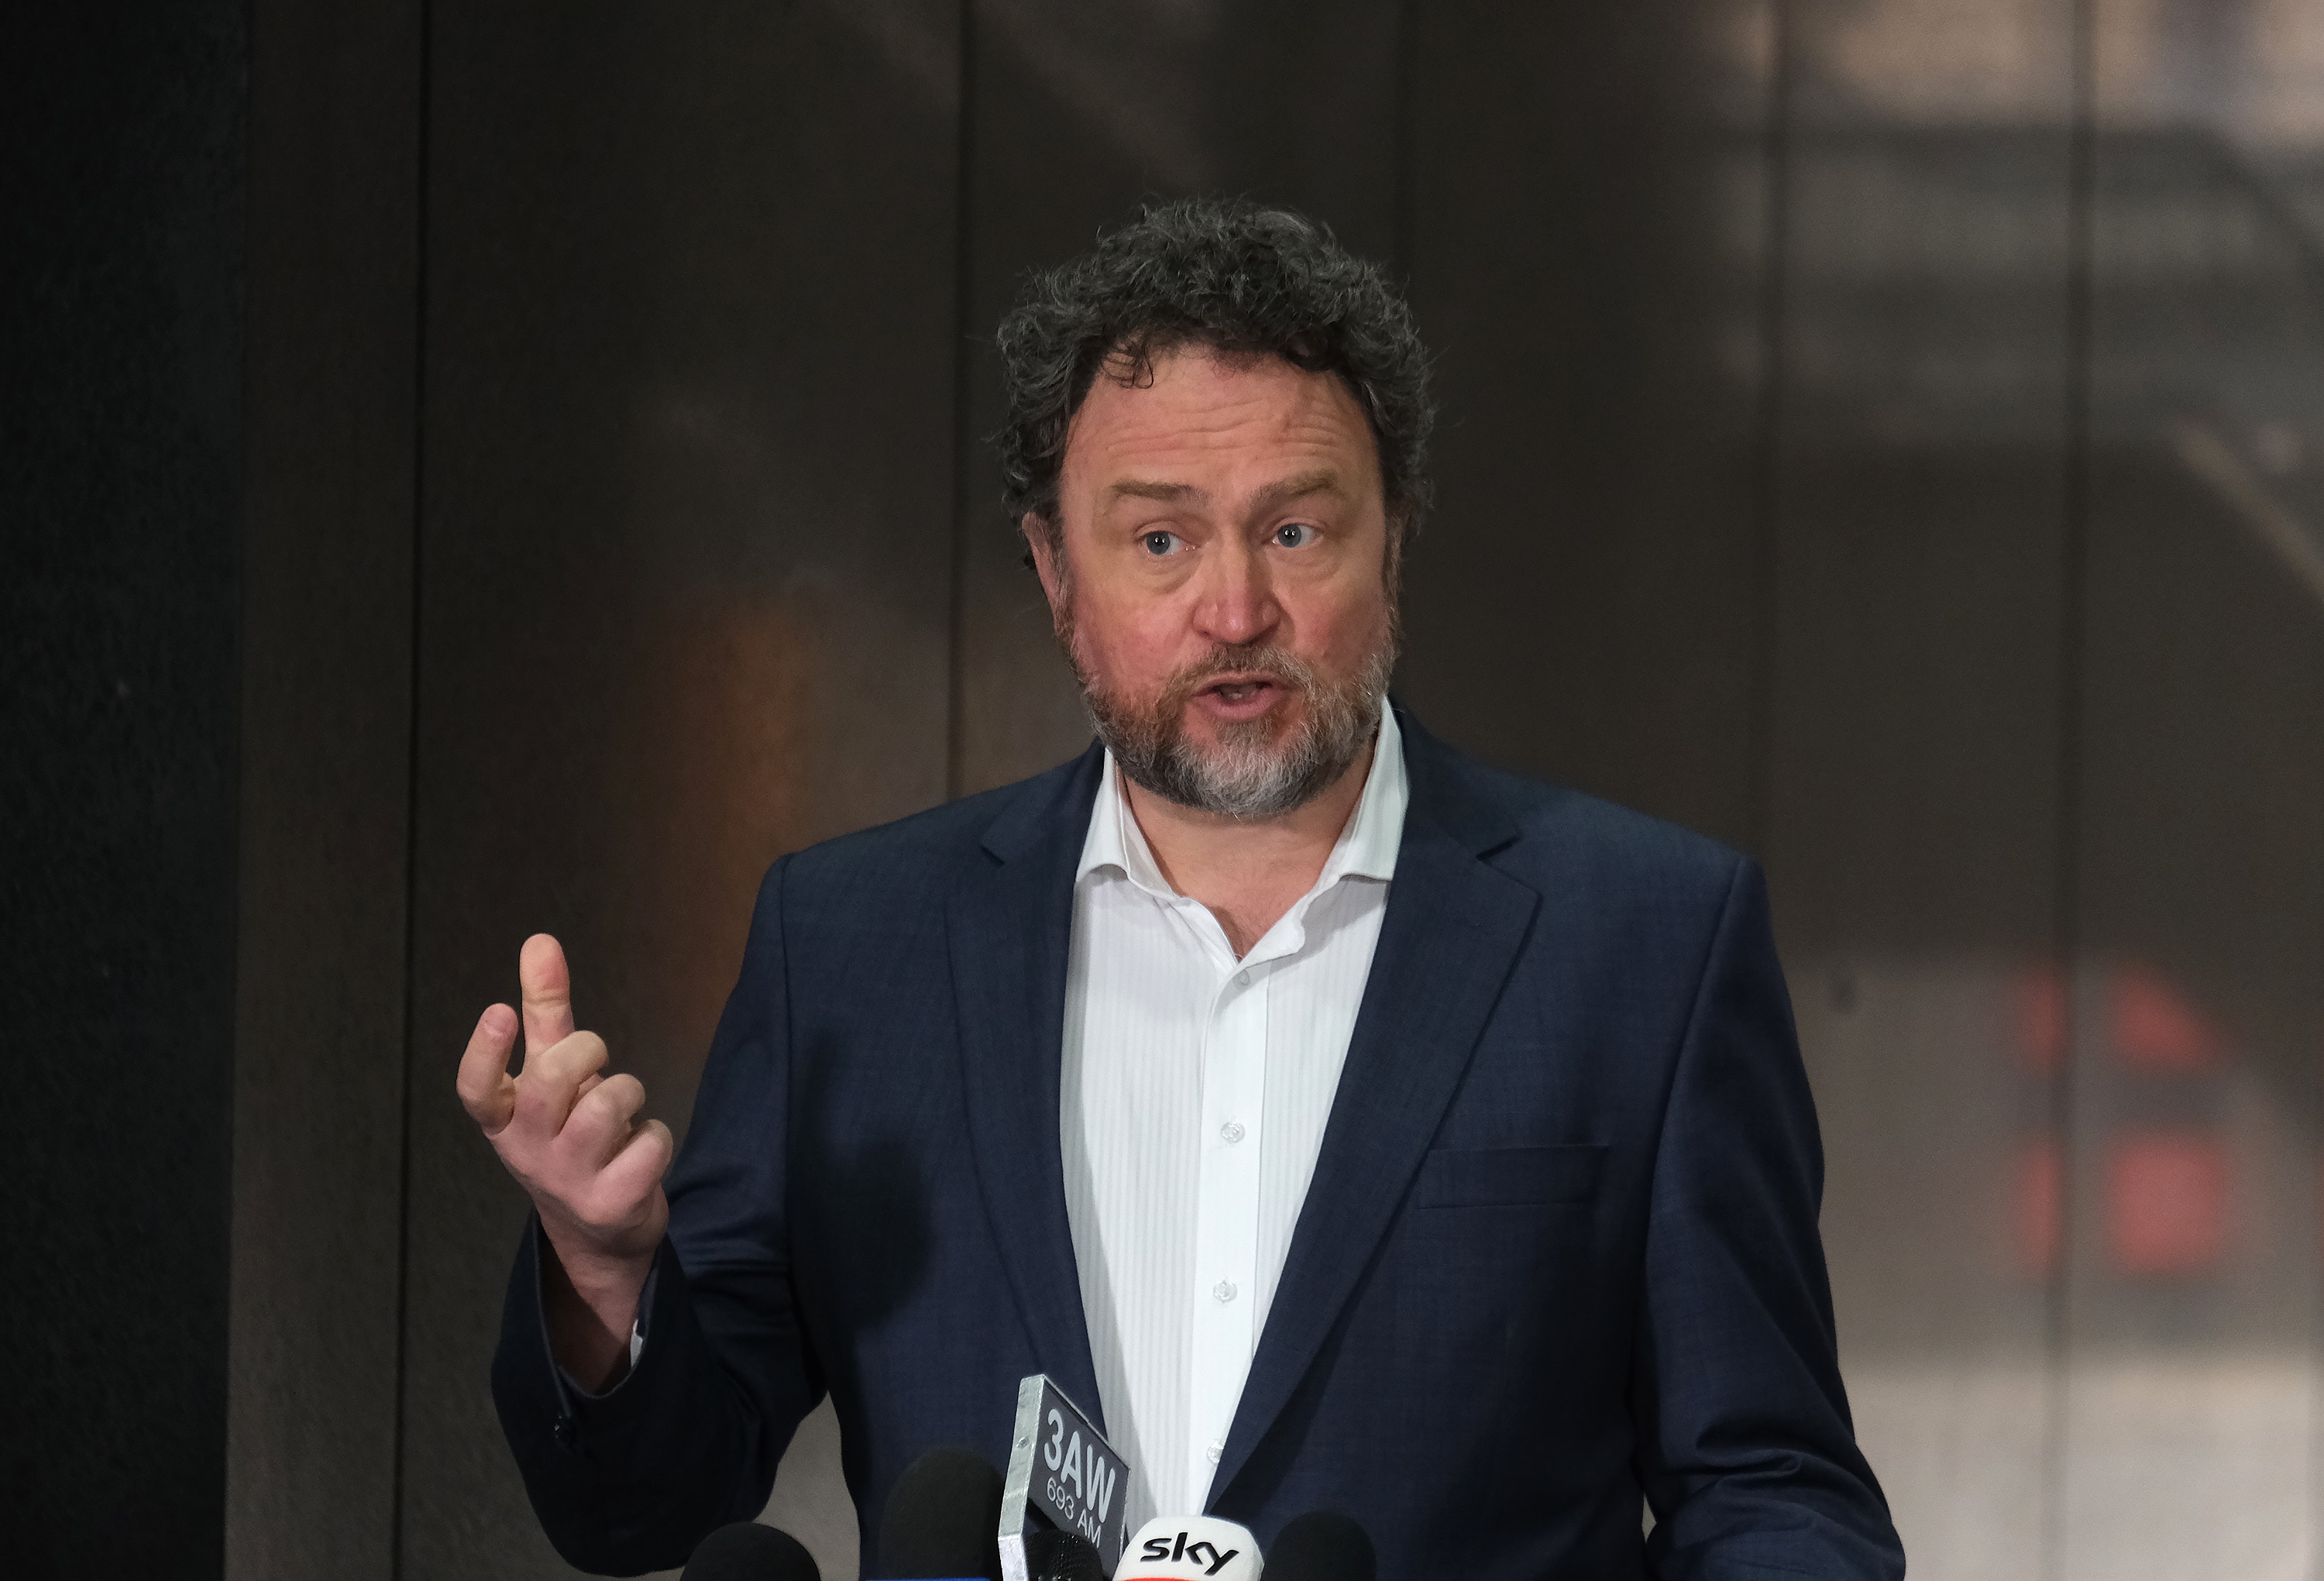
pixel 1233 276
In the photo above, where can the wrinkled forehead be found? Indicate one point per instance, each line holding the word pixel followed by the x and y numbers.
pixel 1205 428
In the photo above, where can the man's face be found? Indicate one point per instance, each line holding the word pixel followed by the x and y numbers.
pixel 1226 595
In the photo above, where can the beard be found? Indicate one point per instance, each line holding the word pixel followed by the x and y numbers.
pixel 1257 768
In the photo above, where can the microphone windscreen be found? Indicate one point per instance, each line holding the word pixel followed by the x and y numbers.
pixel 1191 1547
pixel 1320 1546
pixel 943 1518
pixel 1061 1555
pixel 745 1551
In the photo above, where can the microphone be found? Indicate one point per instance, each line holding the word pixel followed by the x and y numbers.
pixel 746 1551
pixel 1322 1546
pixel 1175 1548
pixel 1063 1477
pixel 1061 1555
pixel 942 1519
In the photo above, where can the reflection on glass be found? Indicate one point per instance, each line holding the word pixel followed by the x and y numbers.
pixel 2072 1212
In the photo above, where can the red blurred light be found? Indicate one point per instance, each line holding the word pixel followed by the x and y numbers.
pixel 2166 1194
pixel 2155 1028
pixel 2039 1206
pixel 2041 1014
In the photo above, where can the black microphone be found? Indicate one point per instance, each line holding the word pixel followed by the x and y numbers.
pixel 942 1520
pixel 1321 1546
pixel 746 1551
pixel 1061 1555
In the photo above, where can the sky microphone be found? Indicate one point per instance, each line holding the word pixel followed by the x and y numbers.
pixel 1191 1547
pixel 1322 1546
pixel 941 1519
pixel 746 1551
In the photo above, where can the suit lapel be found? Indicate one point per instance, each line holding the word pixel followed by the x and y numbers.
pixel 1010 928
pixel 1451 933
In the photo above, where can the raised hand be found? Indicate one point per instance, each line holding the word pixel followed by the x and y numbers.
pixel 571 1136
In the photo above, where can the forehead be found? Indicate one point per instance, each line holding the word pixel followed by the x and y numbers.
pixel 1236 421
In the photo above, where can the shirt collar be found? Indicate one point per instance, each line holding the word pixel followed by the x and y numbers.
pixel 1366 848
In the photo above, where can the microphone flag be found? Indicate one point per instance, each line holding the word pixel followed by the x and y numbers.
pixel 1191 1547
pixel 1061 1473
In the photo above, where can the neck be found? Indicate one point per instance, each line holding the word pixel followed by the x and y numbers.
pixel 1248 872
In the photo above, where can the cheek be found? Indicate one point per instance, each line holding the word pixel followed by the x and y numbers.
pixel 1345 621
pixel 1131 640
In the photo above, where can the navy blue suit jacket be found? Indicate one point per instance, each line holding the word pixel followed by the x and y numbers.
pixel 1560 1252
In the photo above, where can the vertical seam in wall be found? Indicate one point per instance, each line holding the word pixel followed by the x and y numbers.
pixel 1403 143
pixel 232 765
pixel 1403 201
pixel 1776 154
pixel 2072 616
pixel 411 788
pixel 964 515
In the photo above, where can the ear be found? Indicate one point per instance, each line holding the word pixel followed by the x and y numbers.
pixel 1044 558
pixel 1399 532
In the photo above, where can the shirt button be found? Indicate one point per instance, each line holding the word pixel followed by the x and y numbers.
pixel 1232 1131
pixel 1213 1451
pixel 1242 980
pixel 1224 1290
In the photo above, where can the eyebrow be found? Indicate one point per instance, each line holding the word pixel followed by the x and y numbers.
pixel 1320 481
pixel 1169 494
pixel 1323 479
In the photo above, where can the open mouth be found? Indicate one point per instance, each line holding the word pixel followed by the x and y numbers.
pixel 1240 695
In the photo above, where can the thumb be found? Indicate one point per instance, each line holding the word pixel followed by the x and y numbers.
pixel 547 993
pixel 487 1089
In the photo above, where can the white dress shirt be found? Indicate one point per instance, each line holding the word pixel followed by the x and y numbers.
pixel 1195 1095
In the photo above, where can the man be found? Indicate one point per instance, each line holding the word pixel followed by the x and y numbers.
pixel 1348 1126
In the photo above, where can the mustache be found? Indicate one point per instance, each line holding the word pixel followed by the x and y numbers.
pixel 1257 768
pixel 1276 664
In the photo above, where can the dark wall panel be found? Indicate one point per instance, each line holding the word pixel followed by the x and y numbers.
pixel 1924 521
pixel 1587 250
pixel 684 592
pixel 325 732
pixel 1078 113
pixel 120 332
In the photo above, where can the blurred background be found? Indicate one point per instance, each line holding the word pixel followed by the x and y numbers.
pixel 469 470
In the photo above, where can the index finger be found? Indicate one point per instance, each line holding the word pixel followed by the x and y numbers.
pixel 547 994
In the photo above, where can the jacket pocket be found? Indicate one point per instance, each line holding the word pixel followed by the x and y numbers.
pixel 1508 1177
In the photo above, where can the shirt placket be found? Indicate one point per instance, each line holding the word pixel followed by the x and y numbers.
pixel 1226 1236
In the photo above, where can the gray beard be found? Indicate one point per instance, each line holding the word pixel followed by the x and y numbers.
pixel 1248 775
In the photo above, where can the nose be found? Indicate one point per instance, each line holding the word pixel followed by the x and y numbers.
pixel 1235 604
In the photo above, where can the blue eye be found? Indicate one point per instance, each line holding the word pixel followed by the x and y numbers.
pixel 1160 543
pixel 1292 535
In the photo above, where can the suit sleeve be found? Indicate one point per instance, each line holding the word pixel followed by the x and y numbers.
pixel 1746 1448
pixel 631 1480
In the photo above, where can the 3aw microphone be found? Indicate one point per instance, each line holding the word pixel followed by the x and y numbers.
pixel 746 1551
pixel 1063 1478
pixel 1191 1547
pixel 1061 1555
